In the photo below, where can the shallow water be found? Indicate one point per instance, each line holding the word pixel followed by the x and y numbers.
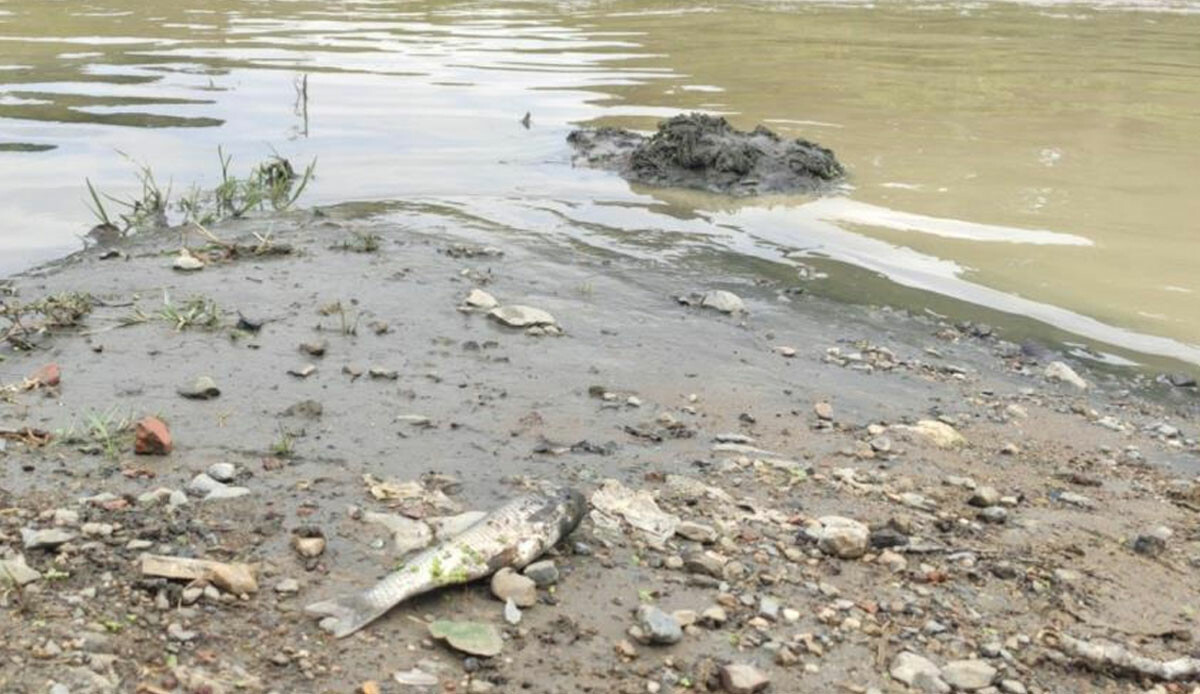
pixel 1032 164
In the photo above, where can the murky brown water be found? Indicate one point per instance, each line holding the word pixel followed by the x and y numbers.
pixel 1035 159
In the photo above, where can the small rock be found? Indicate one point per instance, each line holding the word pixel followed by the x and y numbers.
pixel 1149 544
pixel 48 538
pixel 522 316
pixel 996 515
pixel 1059 372
pixel 315 348
pixel 1076 500
pixel 222 472
pixel 48 375
pixel 714 616
pixel 984 497
pixel 152 437
pixel 310 545
pixel 203 388
pixel 841 537
pixel 768 608
pixel 544 573
pixel 1012 687
pixel 737 678
pixel 696 532
pixel 175 632
pixel 968 675
pixel 705 563
pixel 186 262
pixel 510 585
pixel 480 299
pixel 785 351
pixel 940 434
pixel 14 570
pixel 723 301
pixel 303 371
pixel 824 411
pixel 250 324
pixel 287 586
pixel 659 627
pixel 918 673
pixel 512 613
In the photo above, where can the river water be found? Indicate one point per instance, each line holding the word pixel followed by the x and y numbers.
pixel 1029 164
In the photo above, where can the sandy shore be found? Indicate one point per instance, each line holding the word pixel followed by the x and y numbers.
pixel 1000 509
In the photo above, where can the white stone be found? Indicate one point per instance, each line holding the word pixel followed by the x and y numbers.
pixel 480 299
pixel 968 675
pixel 917 672
pixel 522 316
pixel 1060 372
pixel 841 537
pixel 723 301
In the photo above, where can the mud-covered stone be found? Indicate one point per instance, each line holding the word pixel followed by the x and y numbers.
pixel 706 153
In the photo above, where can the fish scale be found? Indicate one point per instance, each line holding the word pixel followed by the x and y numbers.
pixel 513 535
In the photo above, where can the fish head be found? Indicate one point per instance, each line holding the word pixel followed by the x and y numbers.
pixel 568 507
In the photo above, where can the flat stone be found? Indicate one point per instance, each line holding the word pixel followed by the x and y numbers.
pixel 824 411
pixel 723 301
pixel 940 434
pixel 968 675
pixel 660 628
pixel 202 484
pixel 517 316
pixel 224 493
pixel 738 678
pixel 474 638
pixel 14 570
pixel 302 371
pixel 510 585
pixel 543 573
pixel 696 532
pixel 1059 372
pixel 918 673
pixel 287 586
pixel 47 538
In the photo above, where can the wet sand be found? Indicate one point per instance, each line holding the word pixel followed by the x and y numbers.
pixel 638 388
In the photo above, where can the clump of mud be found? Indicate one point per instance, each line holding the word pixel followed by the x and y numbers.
pixel 706 153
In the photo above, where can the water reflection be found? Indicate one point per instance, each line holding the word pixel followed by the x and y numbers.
pixel 1034 158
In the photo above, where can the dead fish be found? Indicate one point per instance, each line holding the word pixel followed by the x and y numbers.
pixel 513 535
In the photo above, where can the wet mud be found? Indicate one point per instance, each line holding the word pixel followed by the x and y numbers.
pixel 706 153
pixel 714 440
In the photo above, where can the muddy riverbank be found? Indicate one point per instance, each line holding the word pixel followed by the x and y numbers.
pixel 994 505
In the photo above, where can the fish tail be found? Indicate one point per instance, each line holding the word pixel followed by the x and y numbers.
pixel 344 615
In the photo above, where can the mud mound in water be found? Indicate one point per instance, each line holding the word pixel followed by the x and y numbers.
pixel 706 153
